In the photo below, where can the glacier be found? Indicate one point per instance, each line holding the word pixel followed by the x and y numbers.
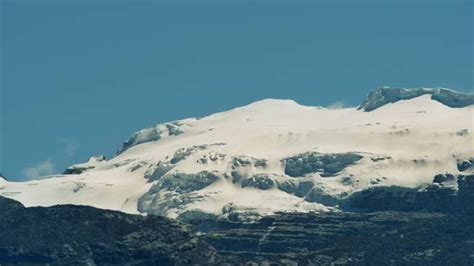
pixel 274 156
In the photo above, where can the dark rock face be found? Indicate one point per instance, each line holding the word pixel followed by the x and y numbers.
pixel 466 165
pixel 381 238
pixel 442 178
pixel 183 183
pixel 78 235
pixel 170 191
pixel 304 188
pixel 313 162
pixel 318 195
pixel 158 171
pixel 153 134
pixel 384 96
pixel 432 198
pixel 259 181
pixel 76 170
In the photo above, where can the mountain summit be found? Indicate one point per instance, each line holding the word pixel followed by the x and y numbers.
pixel 274 156
pixel 386 95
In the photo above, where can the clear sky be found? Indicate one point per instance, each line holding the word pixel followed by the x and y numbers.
pixel 79 77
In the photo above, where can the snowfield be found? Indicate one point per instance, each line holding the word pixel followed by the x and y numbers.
pixel 269 156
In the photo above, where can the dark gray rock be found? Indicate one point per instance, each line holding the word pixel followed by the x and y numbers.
pixel 466 165
pixel 173 191
pixel 432 198
pixel 79 235
pixel 74 170
pixel 320 196
pixel 384 95
pixel 158 171
pixel 259 181
pixel 184 183
pixel 288 186
pixel 442 178
pixel 344 238
pixel 154 133
pixel 244 161
pixel 304 187
pixel 324 164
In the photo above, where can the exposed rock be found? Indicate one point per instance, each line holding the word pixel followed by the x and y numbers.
pixel 462 132
pixel 384 95
pixel 74 170
pixel 442 178
pixel 432 198
pixel 184 183
pixel 79 235
pixel 465 165
pixel 153 134
pixel 317 194
pixel 384 238
pixel 324 164
pixel 289 186
pixel 244 161
pixel 261 181
pixel 184 153
pixel 235 213
pixel 158 171
pixel 97 158
pixel 211 157
pixel 173 191
pixel 90 164
pixel 304 187
pixel 162 167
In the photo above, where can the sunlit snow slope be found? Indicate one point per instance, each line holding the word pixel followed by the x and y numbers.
pixel 271 155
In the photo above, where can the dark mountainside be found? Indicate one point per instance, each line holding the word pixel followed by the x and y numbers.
pixel 427 232
pixel 79 235
pixel 379 238
pixel 378 226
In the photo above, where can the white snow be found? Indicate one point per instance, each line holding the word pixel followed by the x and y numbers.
pixel 417 137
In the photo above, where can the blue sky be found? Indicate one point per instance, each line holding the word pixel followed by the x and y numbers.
pixel 79 78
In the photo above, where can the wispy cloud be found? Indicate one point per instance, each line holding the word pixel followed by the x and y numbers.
pixel 337 105
pixel 70 147
pixel 43 168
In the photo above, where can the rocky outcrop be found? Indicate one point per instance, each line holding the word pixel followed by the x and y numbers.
pixel 436 197
pixel 92 163
pixel 173 191
pixel 153 134
pixel 78 235
pixel 466 165
pixel 324 164
pixel 261 181
pixel 385 95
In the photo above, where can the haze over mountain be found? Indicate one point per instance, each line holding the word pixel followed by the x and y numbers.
pixel 274 156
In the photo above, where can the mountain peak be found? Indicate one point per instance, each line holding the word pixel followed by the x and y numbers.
pixel 385 95
pixel 271 103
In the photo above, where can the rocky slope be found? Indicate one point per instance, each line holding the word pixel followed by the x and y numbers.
pixel 80 235
pixel 381 226
pixel 346 238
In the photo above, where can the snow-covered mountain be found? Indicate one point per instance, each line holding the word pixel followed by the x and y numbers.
pixel 272 155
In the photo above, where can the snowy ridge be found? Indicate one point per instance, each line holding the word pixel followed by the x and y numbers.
pixel 269 156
